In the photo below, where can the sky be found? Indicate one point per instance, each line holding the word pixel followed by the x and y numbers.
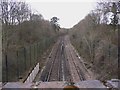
pixel 70 12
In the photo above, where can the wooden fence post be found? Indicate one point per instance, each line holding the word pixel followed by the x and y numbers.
pixel 17 65
pixel 6 64
pixel 25 57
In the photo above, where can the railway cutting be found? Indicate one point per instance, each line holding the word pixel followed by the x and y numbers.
pixel 63 64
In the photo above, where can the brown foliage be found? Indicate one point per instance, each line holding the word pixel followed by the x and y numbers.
pixel 97 44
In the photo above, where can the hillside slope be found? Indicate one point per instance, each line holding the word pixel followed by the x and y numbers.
pixel 97 44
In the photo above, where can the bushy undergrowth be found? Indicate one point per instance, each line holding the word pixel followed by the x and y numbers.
pixel 23 44
pixel 98 46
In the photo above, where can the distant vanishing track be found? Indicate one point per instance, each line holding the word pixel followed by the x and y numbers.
pixel 62 64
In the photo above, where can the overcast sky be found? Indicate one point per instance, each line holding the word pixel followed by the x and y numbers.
pixel 70 12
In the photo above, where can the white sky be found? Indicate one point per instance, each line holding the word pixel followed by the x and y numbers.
pixel 70 12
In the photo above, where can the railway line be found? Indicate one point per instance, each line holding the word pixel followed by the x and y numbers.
pixel 62 63
pixel 74 67
pixel 45 76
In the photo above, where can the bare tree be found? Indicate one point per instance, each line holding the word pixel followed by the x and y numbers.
pixel 5 12
pixel 109 10
pixel 23 12
pixel 13 11
pixel 36 17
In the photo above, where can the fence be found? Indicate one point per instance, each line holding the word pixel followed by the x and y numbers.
pixel 17 64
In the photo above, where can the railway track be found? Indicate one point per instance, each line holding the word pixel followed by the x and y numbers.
pixel 55 68
pixel 79 72
pixel 48 67
pixel 62 64
pixel 76 72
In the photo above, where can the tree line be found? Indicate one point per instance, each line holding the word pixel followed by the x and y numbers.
pixel 16 15
pixel 96 39
pixel 22 32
